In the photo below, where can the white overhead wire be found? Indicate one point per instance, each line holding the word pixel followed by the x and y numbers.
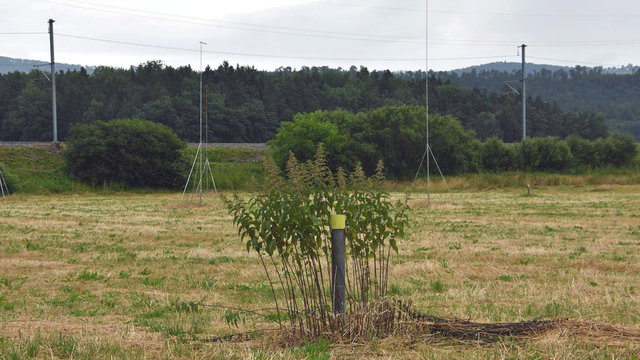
pixel 232 27
pixel 279 56
pixel 243 23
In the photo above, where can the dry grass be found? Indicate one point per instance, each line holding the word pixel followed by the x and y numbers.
pixel 126 276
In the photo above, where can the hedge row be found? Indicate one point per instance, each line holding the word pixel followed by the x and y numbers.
pixel 572 154
pixel 396 134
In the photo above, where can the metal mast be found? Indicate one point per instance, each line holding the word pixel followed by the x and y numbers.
pixel 201 169
pixel 427 100
pixel 54 110
pixel 206 131
pixel 524 96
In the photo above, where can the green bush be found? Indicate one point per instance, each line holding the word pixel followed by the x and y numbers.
pixel 456 150
pixel 286 222
pixel 130 152
pixel 544 154
pixel 617 150
pixel 396 134
pixel 496 156
pixel 583 151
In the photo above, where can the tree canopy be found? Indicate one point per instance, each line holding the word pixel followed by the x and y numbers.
pixel 579 89
pixel 396 135
pixel 248 105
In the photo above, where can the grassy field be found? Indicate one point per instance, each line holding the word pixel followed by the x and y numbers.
pixel 133 275
pixel 39 171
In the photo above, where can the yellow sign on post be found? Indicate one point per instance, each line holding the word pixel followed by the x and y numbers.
pixel 337 222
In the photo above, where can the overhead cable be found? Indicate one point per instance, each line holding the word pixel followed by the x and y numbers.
pixel 233 27
pixel 571 61
pixel 360 5
pixel 246 24
pixel 276 56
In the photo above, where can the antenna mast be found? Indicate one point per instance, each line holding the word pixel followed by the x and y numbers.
pixel 200 145
pixel 426 73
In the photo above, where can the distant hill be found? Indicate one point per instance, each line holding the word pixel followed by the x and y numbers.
pixel 509 67
pixel 532 68
pixel 613 92
pixel 8 65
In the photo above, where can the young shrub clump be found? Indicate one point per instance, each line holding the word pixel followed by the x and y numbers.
pixel 287 224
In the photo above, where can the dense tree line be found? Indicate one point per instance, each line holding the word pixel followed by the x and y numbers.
pixel 247 105
pixel 573 90
pixel 396 134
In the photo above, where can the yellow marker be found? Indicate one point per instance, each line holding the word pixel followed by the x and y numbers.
pixel 338 222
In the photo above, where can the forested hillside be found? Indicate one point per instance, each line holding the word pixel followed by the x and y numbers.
pixel 8 65
pixel 247 105
pixel 576 89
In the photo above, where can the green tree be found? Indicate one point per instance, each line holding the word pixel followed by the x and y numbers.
pixel 303 135
pixel 31 120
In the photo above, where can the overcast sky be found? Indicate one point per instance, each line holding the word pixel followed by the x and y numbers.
pixel 588 32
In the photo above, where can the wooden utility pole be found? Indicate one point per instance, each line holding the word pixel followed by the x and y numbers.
pixel 54 109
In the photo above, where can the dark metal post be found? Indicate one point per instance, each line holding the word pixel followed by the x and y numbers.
pixel 338 259
pixel 54 110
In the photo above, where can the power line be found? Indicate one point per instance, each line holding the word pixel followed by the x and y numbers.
pixel 439 41
pixel 276 56
pixel 468 12
pixel 569 44
pixel 360 5
pixel 246 24
pixel 561 15
pixel 22 33
pixel 572 61
pixel 229 27
pixel 452 42
pixel 538 42
pixel 24 65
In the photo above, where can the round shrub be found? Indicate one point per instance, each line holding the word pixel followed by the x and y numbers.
pixel 544 154
pixel 496 156
pixel 456 150
pixel 128 152
pixel 583 152
pixel 616 150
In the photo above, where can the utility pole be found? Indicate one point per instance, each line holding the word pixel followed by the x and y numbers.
pixel 524 96
pixel 53 87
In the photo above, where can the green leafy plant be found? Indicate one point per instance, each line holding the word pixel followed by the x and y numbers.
pixel 286 224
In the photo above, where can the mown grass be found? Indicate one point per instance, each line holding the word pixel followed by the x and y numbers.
pixel 519 179
pixel 131 275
